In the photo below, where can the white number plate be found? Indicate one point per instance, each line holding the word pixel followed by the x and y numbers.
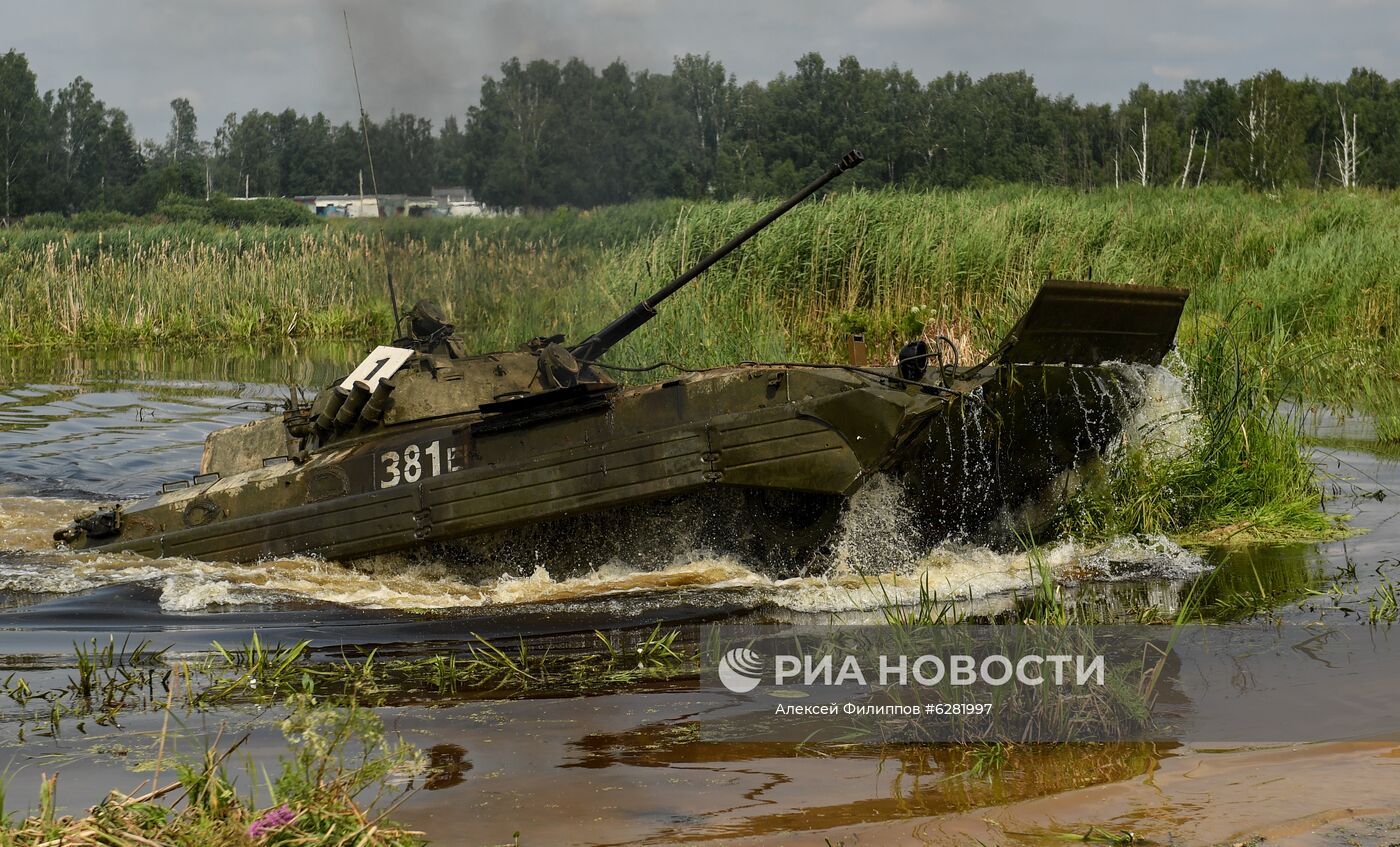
pixel 414 462
pixel 379 365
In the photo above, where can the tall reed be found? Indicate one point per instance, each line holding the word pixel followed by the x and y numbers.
pixel 1320 271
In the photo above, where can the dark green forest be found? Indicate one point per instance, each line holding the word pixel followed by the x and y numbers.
pixel 545 134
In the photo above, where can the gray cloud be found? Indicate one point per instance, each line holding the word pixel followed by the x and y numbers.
pixel 902 14
pixel 428 56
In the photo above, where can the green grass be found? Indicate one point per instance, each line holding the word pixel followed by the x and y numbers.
pixel 986 758
pixel 1100 835
pixel 1241 477
pixel 1321 268
pixel 109 679
pixel 337 755
pixel 1320 273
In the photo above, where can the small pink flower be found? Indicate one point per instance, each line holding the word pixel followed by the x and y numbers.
pixel 274 819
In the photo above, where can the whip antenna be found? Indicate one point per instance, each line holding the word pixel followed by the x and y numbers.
pixel 369 154
pixel 364 119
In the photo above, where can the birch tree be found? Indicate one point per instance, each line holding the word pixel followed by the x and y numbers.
pixel 1190 151
pixel 1142 157
pixel 1345 152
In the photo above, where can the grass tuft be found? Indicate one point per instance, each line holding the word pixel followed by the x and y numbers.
pixel 338 756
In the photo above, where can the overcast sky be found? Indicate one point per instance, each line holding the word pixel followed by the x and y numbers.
pixel 428 56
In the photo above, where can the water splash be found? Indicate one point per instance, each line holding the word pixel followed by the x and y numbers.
pixel 876 565
pixel 1163 423
pixel 876 530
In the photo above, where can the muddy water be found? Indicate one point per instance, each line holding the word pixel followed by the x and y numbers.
pixel 76 430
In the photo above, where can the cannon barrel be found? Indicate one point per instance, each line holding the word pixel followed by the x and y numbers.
pixel 597 344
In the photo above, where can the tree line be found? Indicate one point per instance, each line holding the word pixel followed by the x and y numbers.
pixel 547 133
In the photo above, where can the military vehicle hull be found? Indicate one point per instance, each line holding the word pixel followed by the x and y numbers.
pixel 813 430
pixel 421 444
pixel 977 451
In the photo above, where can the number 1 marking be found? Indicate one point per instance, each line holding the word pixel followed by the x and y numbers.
pixel 377 365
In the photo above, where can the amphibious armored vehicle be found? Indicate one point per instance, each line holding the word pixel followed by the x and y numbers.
pixel 423 444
